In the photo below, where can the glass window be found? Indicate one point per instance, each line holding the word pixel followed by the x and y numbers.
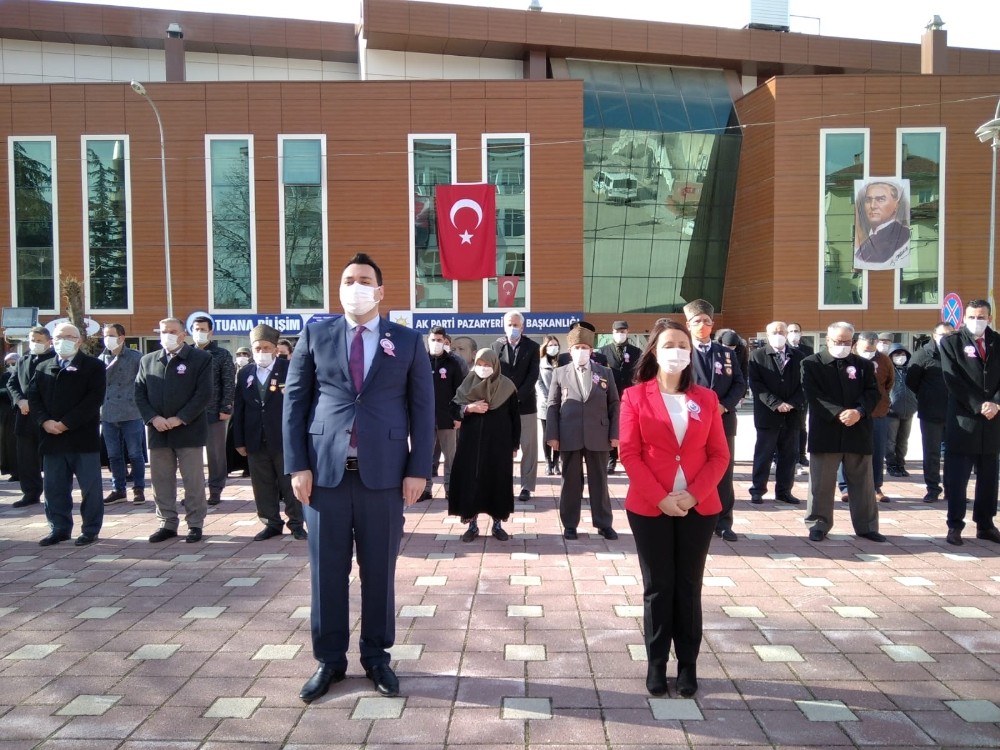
pixel 107 224
pixel 231 222
pixel 432 161
pixel 34 230
pixel 507 168
pixel 303 217
pixel 921 153
pixel 843 158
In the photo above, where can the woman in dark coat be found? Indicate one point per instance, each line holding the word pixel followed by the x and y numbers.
pixel 8 441
pixel 482 474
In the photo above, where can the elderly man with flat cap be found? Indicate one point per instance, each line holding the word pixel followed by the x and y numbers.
pixel 716 367
pixel 257 434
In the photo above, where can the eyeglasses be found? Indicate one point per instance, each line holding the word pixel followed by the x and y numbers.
pixel 840 342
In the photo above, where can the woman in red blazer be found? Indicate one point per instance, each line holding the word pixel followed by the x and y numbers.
pixel 674 450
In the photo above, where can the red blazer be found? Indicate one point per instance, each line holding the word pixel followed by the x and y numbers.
pixel 650 454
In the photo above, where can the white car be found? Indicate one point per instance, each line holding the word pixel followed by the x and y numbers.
pixel 616 187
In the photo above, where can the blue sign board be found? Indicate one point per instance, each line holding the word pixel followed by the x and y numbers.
pixel 290 324
pixel 484 323
pixel 951 310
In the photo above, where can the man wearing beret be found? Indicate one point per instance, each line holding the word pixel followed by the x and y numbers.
pixel 260 395
pixel 581 422
pixel 716 367
pixel 621 357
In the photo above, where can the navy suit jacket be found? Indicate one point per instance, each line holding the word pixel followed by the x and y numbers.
pixel 257 424
pixel 395 408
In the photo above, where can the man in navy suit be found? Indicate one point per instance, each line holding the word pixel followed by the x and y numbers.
pixel 358 437
pixel 256 426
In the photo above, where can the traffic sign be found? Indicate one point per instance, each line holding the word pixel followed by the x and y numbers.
pixel 951 310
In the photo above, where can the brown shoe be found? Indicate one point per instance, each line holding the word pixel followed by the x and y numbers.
pixel 880 496
pixel 844 498
pixel 138 495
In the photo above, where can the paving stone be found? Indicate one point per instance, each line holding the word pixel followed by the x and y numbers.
pixel 527 537
pixel 54 583
pixel 523 652
pixel 378 708
pixel 740 611
pixel 19 559
pixel 913 581
pixel 89 705
pixel 440 556
pixel 447 537
pixel 406 651
pixel 301 613
pixel 826 711
pixel 187 558
pixel 854 612
pixel 525 581
pixel 4 611
pixel 203 613
pixel 241 582
pixel 273 557
pixel 637 652
pixel 975 710
pixel 960 556
pixel 526 708
pixel 148 582
pixel 98 613
pixel 819 583
pixel 620 580
pixel 34 651
pixel 778 653
pixel 609 555
pixel 904 653
pixel 232 708
pixel 155 651
pixel 759 537
pixel 523 555
pixel 245 522
pixel 276 652
pixel 104 558
pixel 719 582
pixel 968 613
pixel 784 556
pixel 418 610
pixel 521 519
pixel 675 709
pixel 524 610
pixel 871 557
pixel 628 610
pixel 431 581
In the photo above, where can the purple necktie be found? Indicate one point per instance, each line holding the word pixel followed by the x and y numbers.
pixel 356 364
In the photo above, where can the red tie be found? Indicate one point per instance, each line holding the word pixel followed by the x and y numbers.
pixel 981 346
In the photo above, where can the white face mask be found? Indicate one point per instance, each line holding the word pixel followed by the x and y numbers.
pixel 435 348
pixel 884 348
pixel 447 348
pixel 242 361
pixel 263 359
pixel 619 338
pixel 580 356
pixel 976 327
pixel 169 341
pixel 357 299
pixel 674 360
pixel 899 361
pixel 776 340
pixel 867 355
pixel 794 337
pixel 65 348
pixel 552 350
pixel 483 371
pixel 38 347
pixel 110 343
pixel 513 332
pixel 200 337
pixel 839 351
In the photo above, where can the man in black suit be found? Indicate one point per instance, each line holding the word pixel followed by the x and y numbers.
pixel 925 378
pixel 65 397
pixel 715 366
pixel 842 393
pixel 519 361
pixel 969 362
pixel 776 382
pixel 796 343
pixel 29 466
pixel 621 357
pixel 256 425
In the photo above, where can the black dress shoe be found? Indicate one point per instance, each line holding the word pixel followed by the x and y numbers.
pixel 24 502
pixel 991 534
pixel 266 533
pixel 425 496
pixel 569 533
pixel 471 533
pixel 612 465
pixel 790 499
pixel 756 500
pixel 54 538
pixel 84 539
pixel 729 535
pixel 214 500
pixel 384 680
pixel 162 535
pixel 300 534
pixel 873 536
pixel 954 537
pixel 608 533
pixel 687 679
pixel 656 679
pixel 498 532
pixel 193 535
pixel 816 535
pixel 318 685
pixel 524 496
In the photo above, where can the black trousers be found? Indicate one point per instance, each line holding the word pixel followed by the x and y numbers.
pixel 271 485
pixel 672 552
pixel 931 436
pixel 726 492
pixel 957 469
pixel 29 465
pixel 782 441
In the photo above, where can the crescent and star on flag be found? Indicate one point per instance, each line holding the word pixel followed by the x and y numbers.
pixel 466 236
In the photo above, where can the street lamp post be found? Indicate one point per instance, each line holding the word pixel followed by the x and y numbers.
pixel 990 131
pixel 141 91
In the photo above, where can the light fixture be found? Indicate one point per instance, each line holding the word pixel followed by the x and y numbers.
pixel 988 131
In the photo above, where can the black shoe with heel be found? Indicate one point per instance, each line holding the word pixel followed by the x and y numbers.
pixel 687 679
pixel 656 678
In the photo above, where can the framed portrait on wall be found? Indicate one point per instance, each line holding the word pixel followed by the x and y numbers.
pixel 882 223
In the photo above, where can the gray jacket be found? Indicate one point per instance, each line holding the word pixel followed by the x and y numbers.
pixel 119 398
pixel 580 423
pixel 182 388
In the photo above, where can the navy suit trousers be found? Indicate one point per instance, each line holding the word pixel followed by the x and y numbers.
pixel 340 519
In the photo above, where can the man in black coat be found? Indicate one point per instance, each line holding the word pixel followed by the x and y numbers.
pixel 621 357
pixel 716 366
pixel 925 378
pixel 519 361
pixel 776 383
pixel 65 398
pixel 797 344
pixel 256 426
pixel 172 390
pixel 29 466
pixel 446 372
pixel 841 391
pixel 970 362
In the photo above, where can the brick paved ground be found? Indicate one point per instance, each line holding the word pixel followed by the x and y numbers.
pixel 530 643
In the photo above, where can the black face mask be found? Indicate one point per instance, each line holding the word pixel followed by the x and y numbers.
pixel 282 356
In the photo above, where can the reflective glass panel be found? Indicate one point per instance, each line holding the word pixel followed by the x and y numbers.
pixel 844 163
pixel 919 282
pixel 505 168
pixel 107 228
pixel 431 167
pixel 230 225
pixel 33 224
pixel 305 268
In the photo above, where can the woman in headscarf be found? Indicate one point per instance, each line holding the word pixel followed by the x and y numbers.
pixel 482 474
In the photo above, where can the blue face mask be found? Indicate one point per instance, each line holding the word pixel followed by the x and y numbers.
pixel 512 332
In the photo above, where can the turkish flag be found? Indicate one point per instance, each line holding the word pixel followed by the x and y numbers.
pixel 507 290
pixel 467 230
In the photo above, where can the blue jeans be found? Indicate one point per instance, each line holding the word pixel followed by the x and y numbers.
pixel 60 468
pixel 131 436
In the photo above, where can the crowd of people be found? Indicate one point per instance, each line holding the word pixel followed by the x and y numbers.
pixel 350 430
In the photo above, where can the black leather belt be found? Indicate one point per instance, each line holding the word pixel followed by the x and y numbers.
pixel 351 464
